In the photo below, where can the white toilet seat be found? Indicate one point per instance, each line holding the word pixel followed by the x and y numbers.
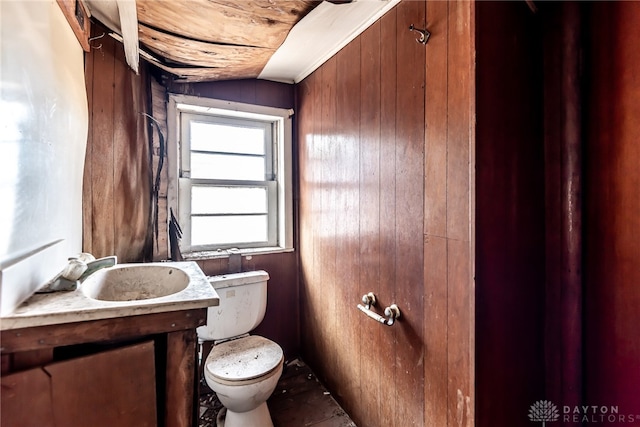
pixel 243 361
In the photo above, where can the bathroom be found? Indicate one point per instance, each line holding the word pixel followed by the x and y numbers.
pixel 439 176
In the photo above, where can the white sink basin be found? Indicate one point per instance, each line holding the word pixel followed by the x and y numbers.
pixel 132 282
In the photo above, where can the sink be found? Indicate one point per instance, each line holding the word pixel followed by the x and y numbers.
pixel 133 282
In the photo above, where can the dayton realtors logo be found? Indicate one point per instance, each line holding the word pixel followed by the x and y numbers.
pixel 546 411
pixel 543 411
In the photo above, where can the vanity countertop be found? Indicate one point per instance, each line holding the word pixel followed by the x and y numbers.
pixel 74 306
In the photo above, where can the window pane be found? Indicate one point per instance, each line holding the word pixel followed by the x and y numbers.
pixel 227 139
pixel 223 166
pixel 222 230
pixel 221 200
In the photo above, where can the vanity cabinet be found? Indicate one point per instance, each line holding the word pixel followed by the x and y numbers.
pixel 127 371
pixel 110 388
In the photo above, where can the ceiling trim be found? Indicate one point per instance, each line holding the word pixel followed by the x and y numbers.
pixel 320 35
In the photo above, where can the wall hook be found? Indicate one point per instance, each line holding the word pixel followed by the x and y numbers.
pixel 424 34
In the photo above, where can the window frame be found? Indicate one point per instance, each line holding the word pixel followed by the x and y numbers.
pixel 281 224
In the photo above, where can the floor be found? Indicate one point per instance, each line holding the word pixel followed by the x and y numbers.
pixel 299 400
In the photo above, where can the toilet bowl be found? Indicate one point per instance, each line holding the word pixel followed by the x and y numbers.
pixel 242 369
pixel 243 373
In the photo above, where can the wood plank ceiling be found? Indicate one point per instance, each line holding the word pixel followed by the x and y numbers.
pixel 198 40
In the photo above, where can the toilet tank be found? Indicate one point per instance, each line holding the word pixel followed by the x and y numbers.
pixel 243 302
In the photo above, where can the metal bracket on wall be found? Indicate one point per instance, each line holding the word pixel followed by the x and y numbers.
pixel 392 312
pixel 424 34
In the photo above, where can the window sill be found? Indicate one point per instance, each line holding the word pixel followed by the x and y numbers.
pixel 225 253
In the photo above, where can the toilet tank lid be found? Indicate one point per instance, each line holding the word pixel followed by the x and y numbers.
pixel 235 279
pixel 244 358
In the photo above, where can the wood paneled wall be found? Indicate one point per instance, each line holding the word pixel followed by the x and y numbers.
pixel 557 234
pixel 258 92
pixel 117 177
pixel 385 150
pixel 510 214
pixel 563 138
pixel 612 209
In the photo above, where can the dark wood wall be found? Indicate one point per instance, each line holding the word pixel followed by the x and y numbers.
pixel 562 34
pixel 385 142
pixel 258 92
pixel 510 214
pixel 117 176
pixel 557 209
pixel 612 208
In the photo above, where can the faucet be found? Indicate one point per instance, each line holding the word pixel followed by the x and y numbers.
pixel 76 271
pixel 98 264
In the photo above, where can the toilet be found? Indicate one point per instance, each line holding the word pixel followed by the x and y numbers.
pixel 242 369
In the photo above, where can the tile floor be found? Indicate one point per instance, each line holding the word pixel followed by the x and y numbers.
pixel 299 400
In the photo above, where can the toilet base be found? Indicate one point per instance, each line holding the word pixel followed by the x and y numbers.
pixel 258 417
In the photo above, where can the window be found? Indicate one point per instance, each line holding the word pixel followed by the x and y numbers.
pixel 231 183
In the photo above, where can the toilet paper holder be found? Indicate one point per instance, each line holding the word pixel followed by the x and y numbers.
pixel 392 312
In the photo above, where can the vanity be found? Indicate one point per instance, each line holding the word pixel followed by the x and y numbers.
pixel 69 359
